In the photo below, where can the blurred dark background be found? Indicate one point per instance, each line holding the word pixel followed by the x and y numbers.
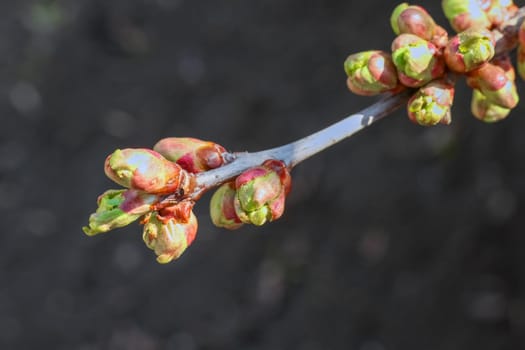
pixel 401 238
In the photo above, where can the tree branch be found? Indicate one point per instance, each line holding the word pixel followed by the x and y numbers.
pixel 295 152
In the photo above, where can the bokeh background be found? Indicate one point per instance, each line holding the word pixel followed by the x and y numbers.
pixel 402 237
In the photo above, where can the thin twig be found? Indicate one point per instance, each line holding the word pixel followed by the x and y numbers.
pixel 295 152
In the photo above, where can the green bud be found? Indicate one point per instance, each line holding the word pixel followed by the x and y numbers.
pixel 261 193
pixel 412 20
pixel 395 16
pixel 169 237
pixel 416 60
pixel 465 14
pixel 191 154
pixel 253 196
pixel 370 73
pixel 498 11
pixel 118 208
pixel 485 110
pixel 494 83
pixel 507 96
pixel 222 208
pixel 469 50
pixel 431 104
pixel 145 170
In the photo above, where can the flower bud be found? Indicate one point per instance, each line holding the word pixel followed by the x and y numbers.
pixel 504 62
pixel 485 110
pixel 493 82
pixel 416 60
pixel 370 73
pixel 191 154
pixel 440 37
pixel 431 104
pixel 169 237
pixel 412 19
pixel 145 170
pixel 465 14
pixel 469 50
pixel 394 17
pixel 261 192
pixel 222 209
pixel 180 211
pixel 118 208
pixel 498 11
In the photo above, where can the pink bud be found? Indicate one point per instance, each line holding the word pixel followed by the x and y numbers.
pixel 146 170
pixel 370 73
pixel 118 208
pixel 431 104
pixel 415 20
pixel 465 14
pixel 498 11
pixel 222 208
pixel 191 154
pixel 261 192
pixel 469 50
pixel 486 111
pixel 418 61
pixel 494 84
pixel 169 236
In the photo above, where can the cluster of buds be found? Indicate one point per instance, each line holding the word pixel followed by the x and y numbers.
pixel 257 196
pixel 487 14
pixel 162 184
pixel 160 190
pixel 423 57
pixel 156 181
